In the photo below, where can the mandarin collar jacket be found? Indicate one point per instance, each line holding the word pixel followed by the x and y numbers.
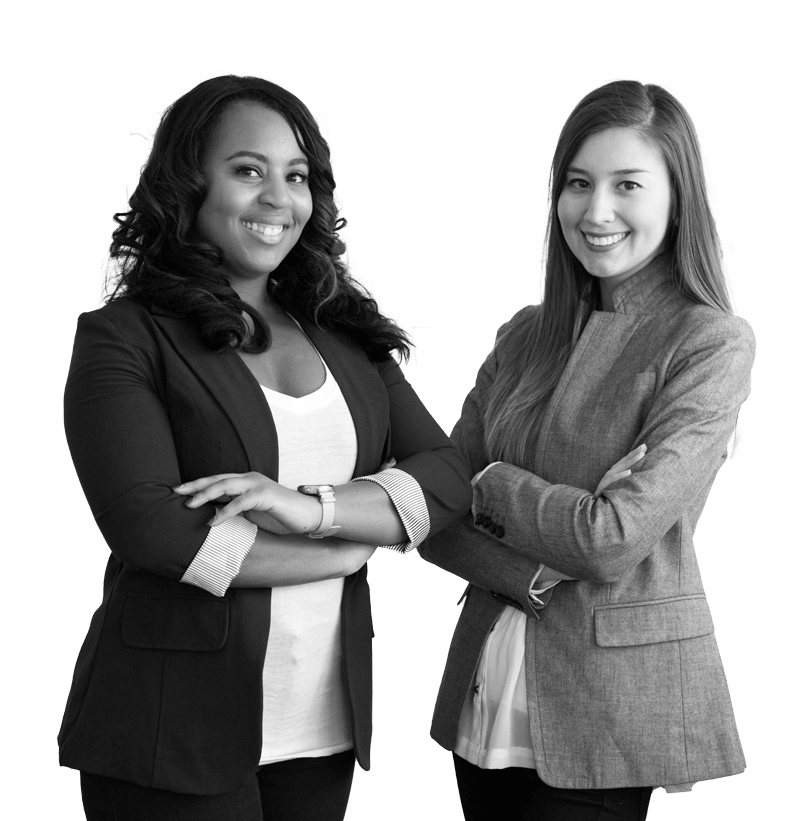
pixel 625 685
pixel 167 690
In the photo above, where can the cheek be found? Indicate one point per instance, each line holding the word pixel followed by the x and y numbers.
pixel 304 211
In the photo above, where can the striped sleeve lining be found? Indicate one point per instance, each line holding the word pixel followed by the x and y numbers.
pixel 219 559
pixel 409 501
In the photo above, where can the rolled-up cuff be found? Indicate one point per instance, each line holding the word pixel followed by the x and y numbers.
pixel 409 502
pixel 220 558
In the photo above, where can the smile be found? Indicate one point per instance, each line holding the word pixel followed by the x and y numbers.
pixel 265 232
pixel 606 241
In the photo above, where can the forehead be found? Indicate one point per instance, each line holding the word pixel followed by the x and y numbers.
pixel 249 126
pixel 617 149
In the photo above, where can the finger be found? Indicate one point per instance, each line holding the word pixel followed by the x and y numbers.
pixel 189 488
pixel 241 504
pixel 222 515
pixel 609 479
pixel 226 487
pixel 630 459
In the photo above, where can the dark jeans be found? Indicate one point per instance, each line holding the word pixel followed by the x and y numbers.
pixel 302 789
pixel 518 794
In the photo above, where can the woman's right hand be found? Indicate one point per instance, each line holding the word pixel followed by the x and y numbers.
pixel 621 469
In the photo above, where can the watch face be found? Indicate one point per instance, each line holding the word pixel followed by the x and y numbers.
pixel 315 490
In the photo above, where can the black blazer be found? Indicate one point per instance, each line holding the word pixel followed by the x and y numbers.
pixel 167 690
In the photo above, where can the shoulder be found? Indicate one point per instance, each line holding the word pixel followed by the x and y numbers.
pixel 121 312
pixel 519 325
pixel 700 325
pixel 122 318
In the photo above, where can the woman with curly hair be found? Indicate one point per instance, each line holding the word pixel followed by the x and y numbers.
pixel 583 671
pixel 245 439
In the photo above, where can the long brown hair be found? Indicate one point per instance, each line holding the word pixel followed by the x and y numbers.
pixel 529 373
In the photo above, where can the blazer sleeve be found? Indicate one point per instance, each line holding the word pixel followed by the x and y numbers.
pixel 424 451
pixel 122 446
pixel 468 551
pixel 686 432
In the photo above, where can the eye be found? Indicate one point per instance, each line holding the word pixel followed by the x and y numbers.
pixel 629 185
pixel 298 177
pixel 577 184
pixel 247 171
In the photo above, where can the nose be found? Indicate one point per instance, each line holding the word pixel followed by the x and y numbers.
pixel 600 208
pixel 275 192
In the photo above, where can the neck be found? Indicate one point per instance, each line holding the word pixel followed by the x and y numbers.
pixel 254 293
pixel 607 295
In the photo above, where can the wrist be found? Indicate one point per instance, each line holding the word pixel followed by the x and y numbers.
pixel 327 499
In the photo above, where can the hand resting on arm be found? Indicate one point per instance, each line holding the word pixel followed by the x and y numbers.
pixel 364 511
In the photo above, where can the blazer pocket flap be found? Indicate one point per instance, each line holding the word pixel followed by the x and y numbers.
pixel 174 623
pixel 623 625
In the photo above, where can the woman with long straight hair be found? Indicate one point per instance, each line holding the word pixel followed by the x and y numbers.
pixel 245 439
pixel 583 671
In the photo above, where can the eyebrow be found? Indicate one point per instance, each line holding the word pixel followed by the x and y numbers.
pixel 264 159
pixel 621 173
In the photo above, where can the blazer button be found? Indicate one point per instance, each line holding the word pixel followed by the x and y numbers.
pixel 493 528
pixel 479 519
pixel 501 531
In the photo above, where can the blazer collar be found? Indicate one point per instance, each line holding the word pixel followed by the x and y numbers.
pixel 648 291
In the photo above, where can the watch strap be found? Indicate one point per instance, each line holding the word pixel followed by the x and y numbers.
pixel 327 499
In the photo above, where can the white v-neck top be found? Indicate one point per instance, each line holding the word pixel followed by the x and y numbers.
pixel 306 711
pixel 305 705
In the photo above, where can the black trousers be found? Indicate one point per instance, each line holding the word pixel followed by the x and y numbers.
pixel 302 789
pixel 518 794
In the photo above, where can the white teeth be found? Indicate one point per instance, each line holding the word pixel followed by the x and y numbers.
pixel 611 239
pixel 263 228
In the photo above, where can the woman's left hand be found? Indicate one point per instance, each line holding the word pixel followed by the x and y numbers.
pixel 269 505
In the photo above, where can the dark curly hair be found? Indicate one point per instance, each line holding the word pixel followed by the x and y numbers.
pixel 162 262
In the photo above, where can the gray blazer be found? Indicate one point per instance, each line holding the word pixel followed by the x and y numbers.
pixel 625 684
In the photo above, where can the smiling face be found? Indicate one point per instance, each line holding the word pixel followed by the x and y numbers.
pixel 258 199
pixel 615 205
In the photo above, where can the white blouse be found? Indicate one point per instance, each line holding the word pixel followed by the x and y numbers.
pixel 305 704
pixel 306 711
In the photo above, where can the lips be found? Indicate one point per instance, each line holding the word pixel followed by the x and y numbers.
pixel 266 232
pixel 605 240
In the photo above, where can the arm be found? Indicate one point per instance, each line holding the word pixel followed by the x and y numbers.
pixel 686 431
pixel 121 443
pixel 467 548
pixel 279 561
pixel 426 489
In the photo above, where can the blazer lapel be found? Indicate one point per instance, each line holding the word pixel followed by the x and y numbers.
pixel 238 393
pixel 234 388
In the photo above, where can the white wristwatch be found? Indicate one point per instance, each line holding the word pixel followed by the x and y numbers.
pixel 327 498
